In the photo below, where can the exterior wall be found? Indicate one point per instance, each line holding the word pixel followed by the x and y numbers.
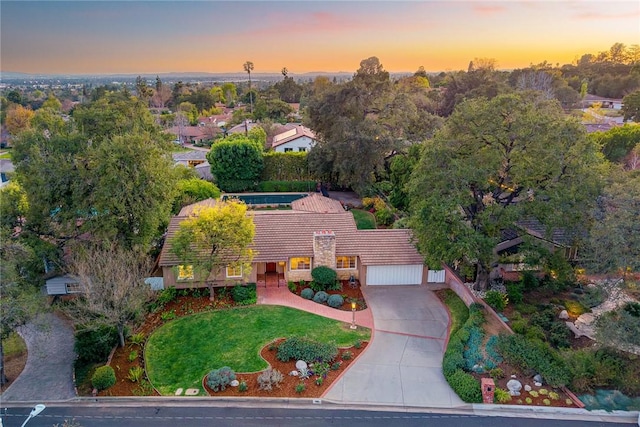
pixel 302 142
pixel 324 249
pixel 297 275
pixel 170 279
pixel 456 285
pixel 345 274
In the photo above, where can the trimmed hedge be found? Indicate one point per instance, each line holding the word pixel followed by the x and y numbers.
pixel 300 348
pixel 286 186
pixel 285 167
pixel 466 386
pixel 244 294
pixel 324 276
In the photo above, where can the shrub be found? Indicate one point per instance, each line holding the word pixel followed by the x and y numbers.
pixel 321 297
pixel 244 294
pixel 335 301
pixel 543 391
pixel 335 366
pixel 519 326
pixel 515 292
pixel 501 396
pixel 324 276
pixel 465 386
pixel 133 355
pixel 242 387
pixel 347 355
pixel 534 393
pixel 103 378
pixel 528 400
pixel 592 297
pixel 574 308
pixel 546 402
pixel 292 286
pixel 219 379
pixel 299 348
pixel 319 381
pixel 94 345
pixel 497 300
pixel 269 379
pixel 384 216
pixel 135 374
pixel 307 293
pixel 167 295
pixel 633 308
pixel 559 335
pixel 357 344
pixel 137 339
pixel 300 388
pixel 530 281
pixel 168 315
pixel 285 186
pixel 496 373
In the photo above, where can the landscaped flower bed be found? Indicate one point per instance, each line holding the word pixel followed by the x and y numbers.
pixel 349 294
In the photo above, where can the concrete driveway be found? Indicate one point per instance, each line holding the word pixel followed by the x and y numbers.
pixel 403 363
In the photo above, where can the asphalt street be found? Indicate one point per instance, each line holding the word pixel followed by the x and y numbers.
pixel 160 416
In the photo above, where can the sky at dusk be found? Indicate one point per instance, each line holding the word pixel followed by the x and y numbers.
pixel 147 37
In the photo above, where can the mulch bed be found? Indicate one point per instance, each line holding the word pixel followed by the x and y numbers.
pixel 13 367
pixel 348 293
pixel 288 386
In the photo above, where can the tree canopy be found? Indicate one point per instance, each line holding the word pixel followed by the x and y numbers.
pixel 495 162
pixel 236 164
pixel 214 238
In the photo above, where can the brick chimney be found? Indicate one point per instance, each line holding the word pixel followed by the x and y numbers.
pixel 324 248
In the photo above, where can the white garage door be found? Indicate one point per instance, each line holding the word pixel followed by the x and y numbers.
pixel 394 274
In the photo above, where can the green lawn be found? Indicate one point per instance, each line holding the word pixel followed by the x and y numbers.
pixel 364 219
pixel 5 155
pixel 13 345
pixel 458 309
pixel 181 352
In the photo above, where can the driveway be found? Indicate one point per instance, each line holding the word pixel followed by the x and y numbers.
pixel 48 374
pixel 403 363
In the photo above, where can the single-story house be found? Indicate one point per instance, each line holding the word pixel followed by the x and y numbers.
pixel 513 239
pixel 190 134
pixel 191 158
pixel 296 138
pixel 243 127
pixel 288 244
pixel 591 100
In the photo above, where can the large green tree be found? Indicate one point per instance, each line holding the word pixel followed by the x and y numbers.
pixel 631 106
pixel 214 238
pixel 495 162
pixel 236 164
pixel 618 141
pixel 614 239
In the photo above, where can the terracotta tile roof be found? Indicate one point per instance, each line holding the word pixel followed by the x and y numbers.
pixel 315 202
pixel 189 209
pixel 284 234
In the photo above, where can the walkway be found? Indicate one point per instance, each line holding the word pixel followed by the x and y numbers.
pixel 283 296
pixel 402 366
pixel 48 374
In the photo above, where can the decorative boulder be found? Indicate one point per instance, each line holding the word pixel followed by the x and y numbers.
pixel 537 378
pixel 527 387
pixel 537 384
pixel 514 387
pixel 563 315
pixel 301 364
pixel 294 373
pixel 234 383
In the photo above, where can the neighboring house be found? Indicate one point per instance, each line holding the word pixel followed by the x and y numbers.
pixel 296 138
pixel 288 244
pixel 243 127
pixel 191 158
pixel 513 239
pixel 204 171
pixel 591 100
pixel 190 134
pixel 62 285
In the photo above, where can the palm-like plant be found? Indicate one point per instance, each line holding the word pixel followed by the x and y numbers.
pixel 248 67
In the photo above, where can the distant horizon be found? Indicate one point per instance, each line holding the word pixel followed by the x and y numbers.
pixel 217 37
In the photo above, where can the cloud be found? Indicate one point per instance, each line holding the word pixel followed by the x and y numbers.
pixel 486 9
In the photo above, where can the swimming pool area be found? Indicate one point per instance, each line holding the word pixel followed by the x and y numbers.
pixel 270 199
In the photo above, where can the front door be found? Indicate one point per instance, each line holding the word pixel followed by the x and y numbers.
pixel 271 267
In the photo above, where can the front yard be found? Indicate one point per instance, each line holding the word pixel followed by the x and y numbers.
pixel 181 352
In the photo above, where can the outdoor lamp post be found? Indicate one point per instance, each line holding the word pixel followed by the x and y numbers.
pixel 353 318
pixel 35 411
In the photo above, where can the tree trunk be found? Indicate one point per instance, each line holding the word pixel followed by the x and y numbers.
pixel 482 277
pixel 121 334
pixel 3 378
pixel 212 296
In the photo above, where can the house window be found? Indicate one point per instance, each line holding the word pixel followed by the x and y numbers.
pixel 185 272
pixel 302 149
pixel 300 263
pixel 345 262
pixel 73 288
pixel 234 271
pixel 286 150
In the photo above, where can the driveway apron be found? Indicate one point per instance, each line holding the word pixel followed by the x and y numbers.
pixel 48 374
pixel 403 363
